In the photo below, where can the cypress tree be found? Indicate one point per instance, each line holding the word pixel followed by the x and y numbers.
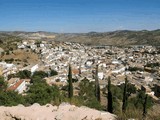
pixel 97 87
pixel 70 86
pixel 125 96
pixel 145 106
pixel 110 100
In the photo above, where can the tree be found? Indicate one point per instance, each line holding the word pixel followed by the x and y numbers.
pixel 11 98
pixel 125 96
pixel 3 84
pixel 97 87
pixel 87 94
pixel 70 86
pixel 37 79
pixel 38 76
pixel 131 89
pixel 41 74
pixel 139 101
pixel 53 72
pixel 145 106
pixel 86 89
pixel 42 93
pixel 25 74
pixel 110 101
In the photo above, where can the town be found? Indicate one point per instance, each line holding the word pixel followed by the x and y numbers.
pixel 80 60
pixel 139 63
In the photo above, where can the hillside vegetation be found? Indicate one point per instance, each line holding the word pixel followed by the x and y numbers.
pixel 8 41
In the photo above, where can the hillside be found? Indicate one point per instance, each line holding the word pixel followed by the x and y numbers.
pixel 21 57
pixel 114 38
pixel 124 37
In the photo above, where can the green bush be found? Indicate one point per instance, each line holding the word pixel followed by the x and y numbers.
pixel 3 84
pixel 138 101
pixel 53 73
pixel 11 98
pixel 87 94
pixel 25 74
pixel 40 74
pixel 42 93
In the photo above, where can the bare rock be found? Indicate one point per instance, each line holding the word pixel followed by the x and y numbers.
pixel 35 105
pixel 55 108
pixel 49 112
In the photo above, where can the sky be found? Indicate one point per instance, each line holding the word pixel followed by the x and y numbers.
pixel 79 16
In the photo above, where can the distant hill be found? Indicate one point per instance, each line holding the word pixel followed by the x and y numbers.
pixel 123 37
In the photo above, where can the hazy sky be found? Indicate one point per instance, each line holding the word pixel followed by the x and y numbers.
pixel 79 15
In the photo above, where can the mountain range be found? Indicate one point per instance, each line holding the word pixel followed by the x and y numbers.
pixel 118 38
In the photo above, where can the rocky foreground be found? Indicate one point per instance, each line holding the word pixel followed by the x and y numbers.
pixel 49 112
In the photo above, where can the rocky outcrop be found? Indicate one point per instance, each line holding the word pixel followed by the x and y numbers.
pixel 49 112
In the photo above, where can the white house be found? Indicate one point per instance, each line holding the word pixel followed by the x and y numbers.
pixel 119 70
pixel 116 62
pixel 100 75
pixel 19 86
pixel 34 68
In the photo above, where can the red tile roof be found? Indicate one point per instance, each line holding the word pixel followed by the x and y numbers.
pixel 16 85
pixel 75 71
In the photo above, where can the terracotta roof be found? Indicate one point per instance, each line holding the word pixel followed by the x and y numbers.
pixel 16 85
pixel 12 80
pixel 75 71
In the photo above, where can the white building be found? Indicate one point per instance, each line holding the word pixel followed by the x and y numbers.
pixel 19 86
pixel 100 75
pixel 119 70
pixel 34 68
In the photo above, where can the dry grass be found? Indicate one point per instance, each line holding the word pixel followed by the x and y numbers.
pixel 154 113
pixel 136 114
pixel 130 114
pixel 22 56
